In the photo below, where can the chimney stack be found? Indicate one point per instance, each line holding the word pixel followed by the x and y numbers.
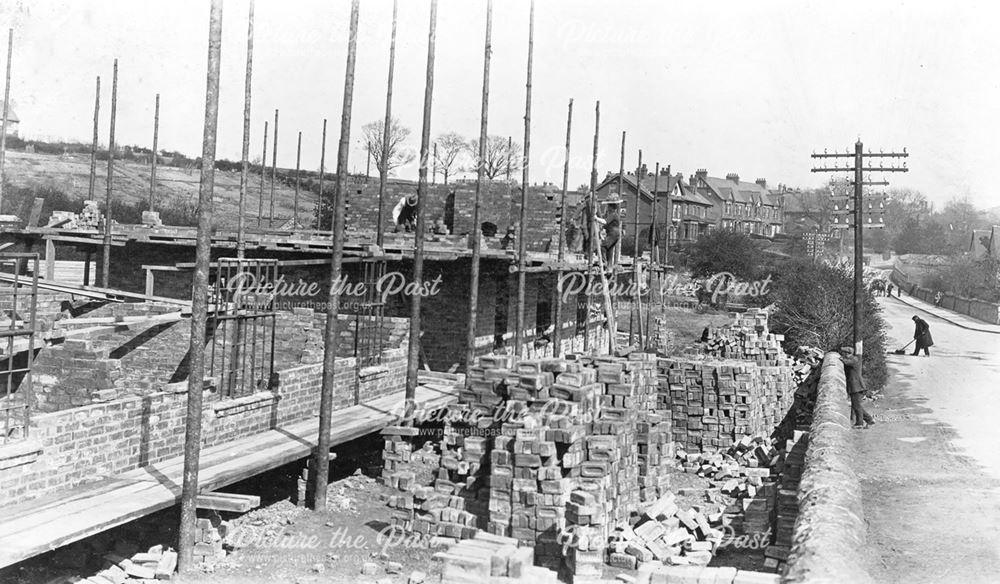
pixel 733 177
pixel 762 182
pixel 699 175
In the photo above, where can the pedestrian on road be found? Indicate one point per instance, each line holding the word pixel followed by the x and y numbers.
pixel 922 335
pixel 889 290
pixel 855 388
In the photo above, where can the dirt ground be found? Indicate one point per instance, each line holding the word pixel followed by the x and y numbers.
pixel 928 468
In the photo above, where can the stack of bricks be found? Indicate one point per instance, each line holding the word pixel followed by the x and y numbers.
pixel 486 559
pixel 208 540
pixel 713 403
pixel 787 508
pixel 748 339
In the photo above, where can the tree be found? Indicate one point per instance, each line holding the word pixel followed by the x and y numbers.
pixel 502 156
pixel 814 306
pixel 725 250
pixel 373 137
pixel 927 237
pixel 902 206
pixel 450 147
pixel 960 217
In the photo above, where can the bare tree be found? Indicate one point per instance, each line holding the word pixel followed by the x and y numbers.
pixel 450 147
pixel 374 141
pixel 502 156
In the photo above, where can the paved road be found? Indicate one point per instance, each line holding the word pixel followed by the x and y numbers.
pixel 930 467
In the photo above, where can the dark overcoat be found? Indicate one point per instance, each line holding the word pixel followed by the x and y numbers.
pixel 922 333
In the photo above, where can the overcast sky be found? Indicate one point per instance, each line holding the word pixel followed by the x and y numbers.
pixel 746 87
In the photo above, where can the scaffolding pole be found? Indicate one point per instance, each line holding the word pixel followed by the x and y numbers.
pixel 106 250
pixel 241 227
pixel 383 169
pixel 263 171
pixel 298 167
pixel 522 240
pixel 413 353
pixel 476 235
pixel 321 457
pixel 199 299
pixel 93 145
pixel 274 170
pixel 6 112
pixel 152 167
pixel 561 250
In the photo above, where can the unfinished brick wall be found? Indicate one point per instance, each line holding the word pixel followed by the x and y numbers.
pixel 110 363
pixel 70 447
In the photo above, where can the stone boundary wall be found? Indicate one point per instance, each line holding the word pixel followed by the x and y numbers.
pixel 829 536
pixel 977 309
pixel 71 447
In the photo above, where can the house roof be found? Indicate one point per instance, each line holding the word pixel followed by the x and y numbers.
pixel 664 184
pixel 741 192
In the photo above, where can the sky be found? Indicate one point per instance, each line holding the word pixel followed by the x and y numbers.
pixel 730 86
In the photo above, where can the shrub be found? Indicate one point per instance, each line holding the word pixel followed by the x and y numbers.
pixel 815 307
pixel 726 251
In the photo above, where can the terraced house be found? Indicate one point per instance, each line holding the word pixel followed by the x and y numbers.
pixel 742 206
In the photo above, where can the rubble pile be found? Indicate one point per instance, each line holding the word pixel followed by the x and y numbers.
pixel 155 565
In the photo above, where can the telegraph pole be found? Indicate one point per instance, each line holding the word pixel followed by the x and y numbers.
pixel 475 234
pixel 861 218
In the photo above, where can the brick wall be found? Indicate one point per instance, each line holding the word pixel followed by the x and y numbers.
pixel 70 447
pixel 139 361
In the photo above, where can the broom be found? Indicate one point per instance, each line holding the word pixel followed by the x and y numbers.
pixel 903 350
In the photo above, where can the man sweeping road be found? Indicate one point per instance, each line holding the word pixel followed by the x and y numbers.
pixel 922 335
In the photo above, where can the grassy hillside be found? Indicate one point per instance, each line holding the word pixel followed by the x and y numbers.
pixel 47 175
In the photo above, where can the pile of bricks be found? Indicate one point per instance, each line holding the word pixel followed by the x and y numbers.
pixel 747 338
pixel 659 574
pixel 209 533
pixel 489 559
pixel 90 217
pixel 787 508
pixel 713 403
pixel 157 564
pixel 667 534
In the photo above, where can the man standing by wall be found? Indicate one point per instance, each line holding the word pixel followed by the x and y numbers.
pixel 855 388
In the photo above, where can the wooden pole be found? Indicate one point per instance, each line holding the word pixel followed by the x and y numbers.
pixel 383 170
pixel 274 170
pixel 93 145
pixel 475 234
pixel 635 250
pixel 859 252
pixel 6 112
pixel 666 223
pixel 199 300
pixel 653 246
pixel 522 240
pixel 298 167
pixel 413 356
pixel 609 312
pixel 152 167
pixel 241 225
pixel 321 457
pixel 263 170
pixel 106 253
pixel 561 253
pixel 322 172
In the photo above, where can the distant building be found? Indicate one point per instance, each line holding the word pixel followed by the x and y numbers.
pixel 13 122
pixel 985 242
pixel 748 207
